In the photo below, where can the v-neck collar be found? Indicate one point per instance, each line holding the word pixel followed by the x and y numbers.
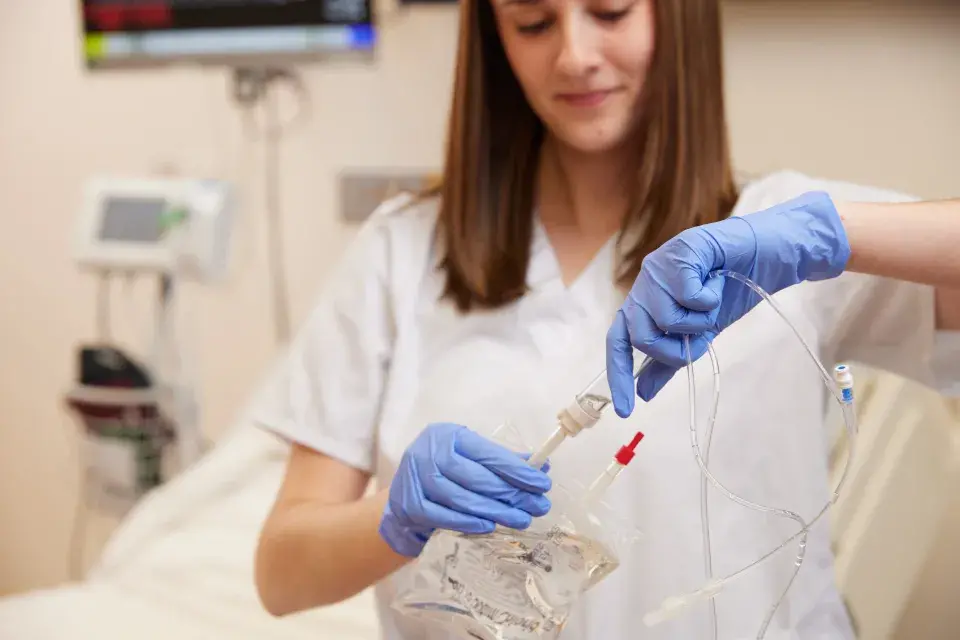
pixel 544 272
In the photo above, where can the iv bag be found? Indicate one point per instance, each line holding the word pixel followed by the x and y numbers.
pixel 511 584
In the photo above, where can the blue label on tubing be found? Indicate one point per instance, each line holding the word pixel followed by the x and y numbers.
pixel 847 395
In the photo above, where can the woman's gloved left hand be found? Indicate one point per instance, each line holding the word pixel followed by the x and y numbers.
pixel 801 239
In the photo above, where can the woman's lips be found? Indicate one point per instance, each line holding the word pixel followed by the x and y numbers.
pixel 585 99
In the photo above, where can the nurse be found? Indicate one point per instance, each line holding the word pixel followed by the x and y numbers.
pixel 588 160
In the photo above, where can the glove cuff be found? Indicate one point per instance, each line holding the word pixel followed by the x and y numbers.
pixel 400 539
pixel 809 231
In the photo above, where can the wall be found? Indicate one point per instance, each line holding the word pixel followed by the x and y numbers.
pixel 867 93
pixel 59 125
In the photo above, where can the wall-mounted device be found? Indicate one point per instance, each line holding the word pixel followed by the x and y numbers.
pixel 179 226
pixel 237 33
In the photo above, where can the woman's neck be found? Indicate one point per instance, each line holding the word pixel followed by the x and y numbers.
pixel 585 192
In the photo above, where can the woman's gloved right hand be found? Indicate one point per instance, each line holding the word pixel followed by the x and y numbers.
pixel 453 478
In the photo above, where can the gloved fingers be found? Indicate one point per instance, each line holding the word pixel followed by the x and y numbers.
pixel 658 374
pixel 477 479
pixel 647 337
pixel 620 365
pixel 715 285
pixel 449 494
pixel 674 308
pixel 690 290
pixel 437 516
pixel 671 317
pixel 501 461
pixel 699 344
pixel 653 379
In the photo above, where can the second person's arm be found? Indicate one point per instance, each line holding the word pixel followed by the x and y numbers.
pixel 915 241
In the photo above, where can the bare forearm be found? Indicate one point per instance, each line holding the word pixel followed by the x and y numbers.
pixel 316 554
pixel 916 241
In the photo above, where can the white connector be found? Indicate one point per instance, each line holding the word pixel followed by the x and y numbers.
pixel 671 608
pixel 674 606
pixel 585 411
pixel 844 379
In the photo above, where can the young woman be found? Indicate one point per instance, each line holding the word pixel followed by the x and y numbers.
pixel 584 136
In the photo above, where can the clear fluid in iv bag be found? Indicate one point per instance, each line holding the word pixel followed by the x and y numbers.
pixel 508 585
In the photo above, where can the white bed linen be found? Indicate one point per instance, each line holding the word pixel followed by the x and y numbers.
pixel 181 565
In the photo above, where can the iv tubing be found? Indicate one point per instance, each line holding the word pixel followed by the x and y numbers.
pixel 704 506
pixel 784 513
pixel 844 396
pixel 539 458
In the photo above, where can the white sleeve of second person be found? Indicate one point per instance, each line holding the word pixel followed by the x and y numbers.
pixel 890 325
pixel 331 384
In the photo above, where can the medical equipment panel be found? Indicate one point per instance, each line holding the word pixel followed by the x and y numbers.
pixel 156 225
pixel 140 33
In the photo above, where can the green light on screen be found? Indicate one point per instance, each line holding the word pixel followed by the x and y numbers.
pixel 172 217
pixel 95 46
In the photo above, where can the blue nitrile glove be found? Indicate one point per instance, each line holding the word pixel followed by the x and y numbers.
pixel 801 239
pixel 453 478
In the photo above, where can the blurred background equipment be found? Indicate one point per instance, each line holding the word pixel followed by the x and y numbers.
pixel 160 226
pixel 135 409
pixel 125 33
pixel 259 41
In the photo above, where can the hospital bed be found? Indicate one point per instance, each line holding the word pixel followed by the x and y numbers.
pixel 181 565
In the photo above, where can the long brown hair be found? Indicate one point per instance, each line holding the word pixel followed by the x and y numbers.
pixel 494 137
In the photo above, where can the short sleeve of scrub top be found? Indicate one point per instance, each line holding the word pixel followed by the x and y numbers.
pixel 879 322
pixel 331 386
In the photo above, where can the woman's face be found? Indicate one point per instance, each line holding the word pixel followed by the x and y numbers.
pixel 581 64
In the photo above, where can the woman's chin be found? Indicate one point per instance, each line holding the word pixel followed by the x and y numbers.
pixel 599 137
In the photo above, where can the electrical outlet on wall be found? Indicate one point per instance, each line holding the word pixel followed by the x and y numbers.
pixel 363 190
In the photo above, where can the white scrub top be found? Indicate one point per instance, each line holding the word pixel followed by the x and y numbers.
pixel 381 356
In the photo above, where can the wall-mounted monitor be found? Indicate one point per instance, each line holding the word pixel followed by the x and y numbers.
pixel 138 33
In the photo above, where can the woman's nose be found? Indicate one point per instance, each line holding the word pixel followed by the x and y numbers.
pixel 579 52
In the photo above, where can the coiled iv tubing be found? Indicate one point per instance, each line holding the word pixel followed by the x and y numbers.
pixel 704 506
pixel 844 398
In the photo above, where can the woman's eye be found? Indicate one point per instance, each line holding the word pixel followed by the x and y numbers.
pixel 533 28
pixel 611 16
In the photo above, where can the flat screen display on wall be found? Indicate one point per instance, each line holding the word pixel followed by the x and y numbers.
pixel 119 33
